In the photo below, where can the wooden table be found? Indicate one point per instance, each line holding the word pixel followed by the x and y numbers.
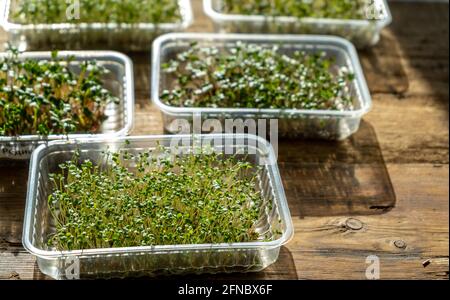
pixel 383 192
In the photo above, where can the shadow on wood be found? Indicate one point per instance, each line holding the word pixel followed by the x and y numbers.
pixel 13 188
pixel 383 67
pixel 283 269
pixel 425 47
pixel 323 178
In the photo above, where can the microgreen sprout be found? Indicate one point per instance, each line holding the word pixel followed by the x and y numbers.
pixel 253 76
pixel 154 198
pixel 47 97
pixel 336 9
pixel 99 11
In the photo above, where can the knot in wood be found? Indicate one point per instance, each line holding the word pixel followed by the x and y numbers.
pixel 400 244
pixel 354 224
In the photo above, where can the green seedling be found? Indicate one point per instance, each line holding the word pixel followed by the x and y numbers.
pixel 98 11
pixel 336 9
pixel 154 198
pixel 48 97
pixel 252 76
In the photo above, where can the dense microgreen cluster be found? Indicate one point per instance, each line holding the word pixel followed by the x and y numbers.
pixel 48 97
pixel 154 198
pixel 99 11
pixel 336 9
pixel 252 76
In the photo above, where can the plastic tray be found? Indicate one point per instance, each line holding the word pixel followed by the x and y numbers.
pixel 275 223
pixel 362 33
pixel 93 36
pixel 119 116
pixel 323 124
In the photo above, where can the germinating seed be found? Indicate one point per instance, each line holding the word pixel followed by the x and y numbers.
pixel 337 9
pixel 191 199
pixel 99 11
pixel 46 97
pixel 252 76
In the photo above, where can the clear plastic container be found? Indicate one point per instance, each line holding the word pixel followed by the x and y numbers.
pixel 362 33
pixel 119 81
pixel 92 36
pixel 322 124
pixel 275 224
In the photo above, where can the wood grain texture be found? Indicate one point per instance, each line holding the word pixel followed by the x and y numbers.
pixel 382 192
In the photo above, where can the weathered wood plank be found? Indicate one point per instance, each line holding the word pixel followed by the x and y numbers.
pixel 383 192
pixel 328 248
